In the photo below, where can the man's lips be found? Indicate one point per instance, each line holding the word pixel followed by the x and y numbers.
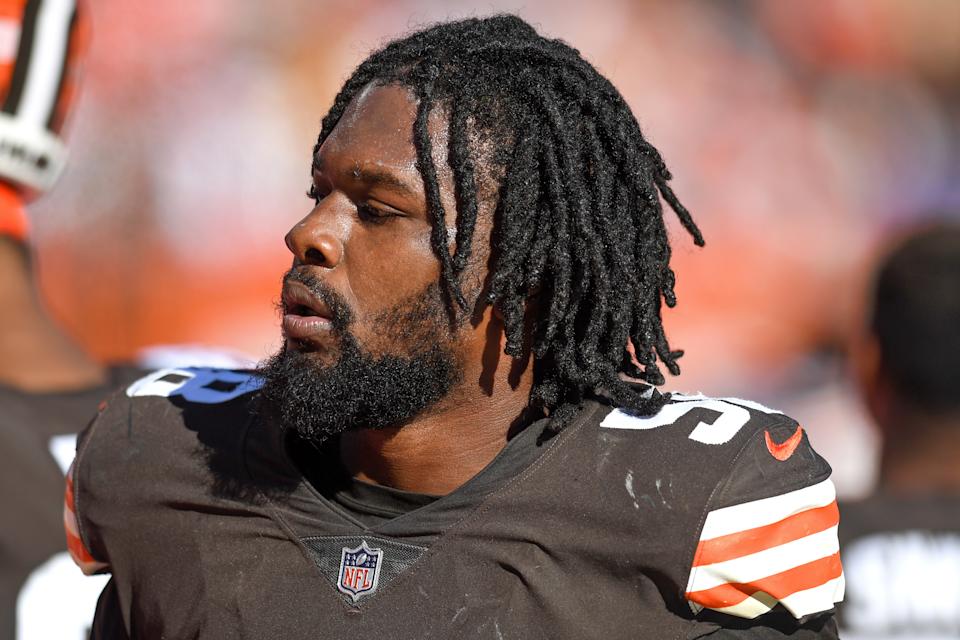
pixel 304 315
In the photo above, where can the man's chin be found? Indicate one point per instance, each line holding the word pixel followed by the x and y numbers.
pixel 319 394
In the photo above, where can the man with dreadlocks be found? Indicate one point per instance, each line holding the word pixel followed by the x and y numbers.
pixel 478 192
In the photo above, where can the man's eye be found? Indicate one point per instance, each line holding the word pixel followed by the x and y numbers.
pixel 369 213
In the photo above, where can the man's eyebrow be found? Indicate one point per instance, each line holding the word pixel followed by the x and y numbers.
pixel 373 176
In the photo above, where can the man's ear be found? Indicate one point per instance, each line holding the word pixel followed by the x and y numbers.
pixel 866 361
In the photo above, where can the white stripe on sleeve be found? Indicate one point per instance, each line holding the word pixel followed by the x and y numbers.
pixel 800 603
pixel 765 563
pixel 759 513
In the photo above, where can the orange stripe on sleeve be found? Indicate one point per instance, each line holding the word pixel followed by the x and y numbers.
pixel 742 543
pixel 780 585
pixel 78 550
pixel 68 494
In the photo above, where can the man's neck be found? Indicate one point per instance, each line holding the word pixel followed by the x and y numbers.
pixel 34 354
pixel 920 457
pixel 442 449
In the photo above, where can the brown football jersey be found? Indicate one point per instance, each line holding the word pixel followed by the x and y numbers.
pixel 711 518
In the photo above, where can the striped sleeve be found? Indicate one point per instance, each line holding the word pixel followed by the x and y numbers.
pixel 775 550
pixel 75 545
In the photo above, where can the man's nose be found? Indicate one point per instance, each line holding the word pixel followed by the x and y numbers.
pixel 314 240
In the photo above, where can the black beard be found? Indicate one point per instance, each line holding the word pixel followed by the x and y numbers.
pixel 359 390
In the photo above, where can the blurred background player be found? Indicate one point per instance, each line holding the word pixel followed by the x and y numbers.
pixel 46 381
pixel 40 45
pixel 901 546
pixel 49 386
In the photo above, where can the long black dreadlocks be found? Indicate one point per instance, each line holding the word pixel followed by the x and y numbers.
pixel 578 223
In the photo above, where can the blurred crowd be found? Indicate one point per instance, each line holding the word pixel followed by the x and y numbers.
pixel 802 137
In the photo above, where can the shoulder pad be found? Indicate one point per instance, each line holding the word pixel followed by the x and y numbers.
pixel 769 538
pixel 172 429
pixel 767 533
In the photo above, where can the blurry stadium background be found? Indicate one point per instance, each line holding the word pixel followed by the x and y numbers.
pixel 802 136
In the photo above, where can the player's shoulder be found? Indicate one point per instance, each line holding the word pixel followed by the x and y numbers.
pixel 170 392
pixel 697 418
pixel 733 449
pixel 174 435
pixel 746 495
pixel 768 449
pixel 171 409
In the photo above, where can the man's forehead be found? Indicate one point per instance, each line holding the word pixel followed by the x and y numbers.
pixel 375 131
pixel 379 113
pixel 375 134
pixel 373 142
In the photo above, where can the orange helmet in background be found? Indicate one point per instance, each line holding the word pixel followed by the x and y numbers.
pixel 42 44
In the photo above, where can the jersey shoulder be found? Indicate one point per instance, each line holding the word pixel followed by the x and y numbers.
pixel 169 405
pixel 753 504
pixel 753 451
pixel 700 418
pixel 168 437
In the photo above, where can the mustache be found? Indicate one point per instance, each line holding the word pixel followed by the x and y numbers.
pixel 340 312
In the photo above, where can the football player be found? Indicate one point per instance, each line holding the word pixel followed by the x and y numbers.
pixel 902 545
pixel 446 445
pixel 48 385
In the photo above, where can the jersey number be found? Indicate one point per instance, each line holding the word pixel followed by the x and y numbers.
pixel 196 384
pixel 732 417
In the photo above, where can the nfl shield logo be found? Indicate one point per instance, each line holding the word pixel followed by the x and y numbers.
pixel 359 570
